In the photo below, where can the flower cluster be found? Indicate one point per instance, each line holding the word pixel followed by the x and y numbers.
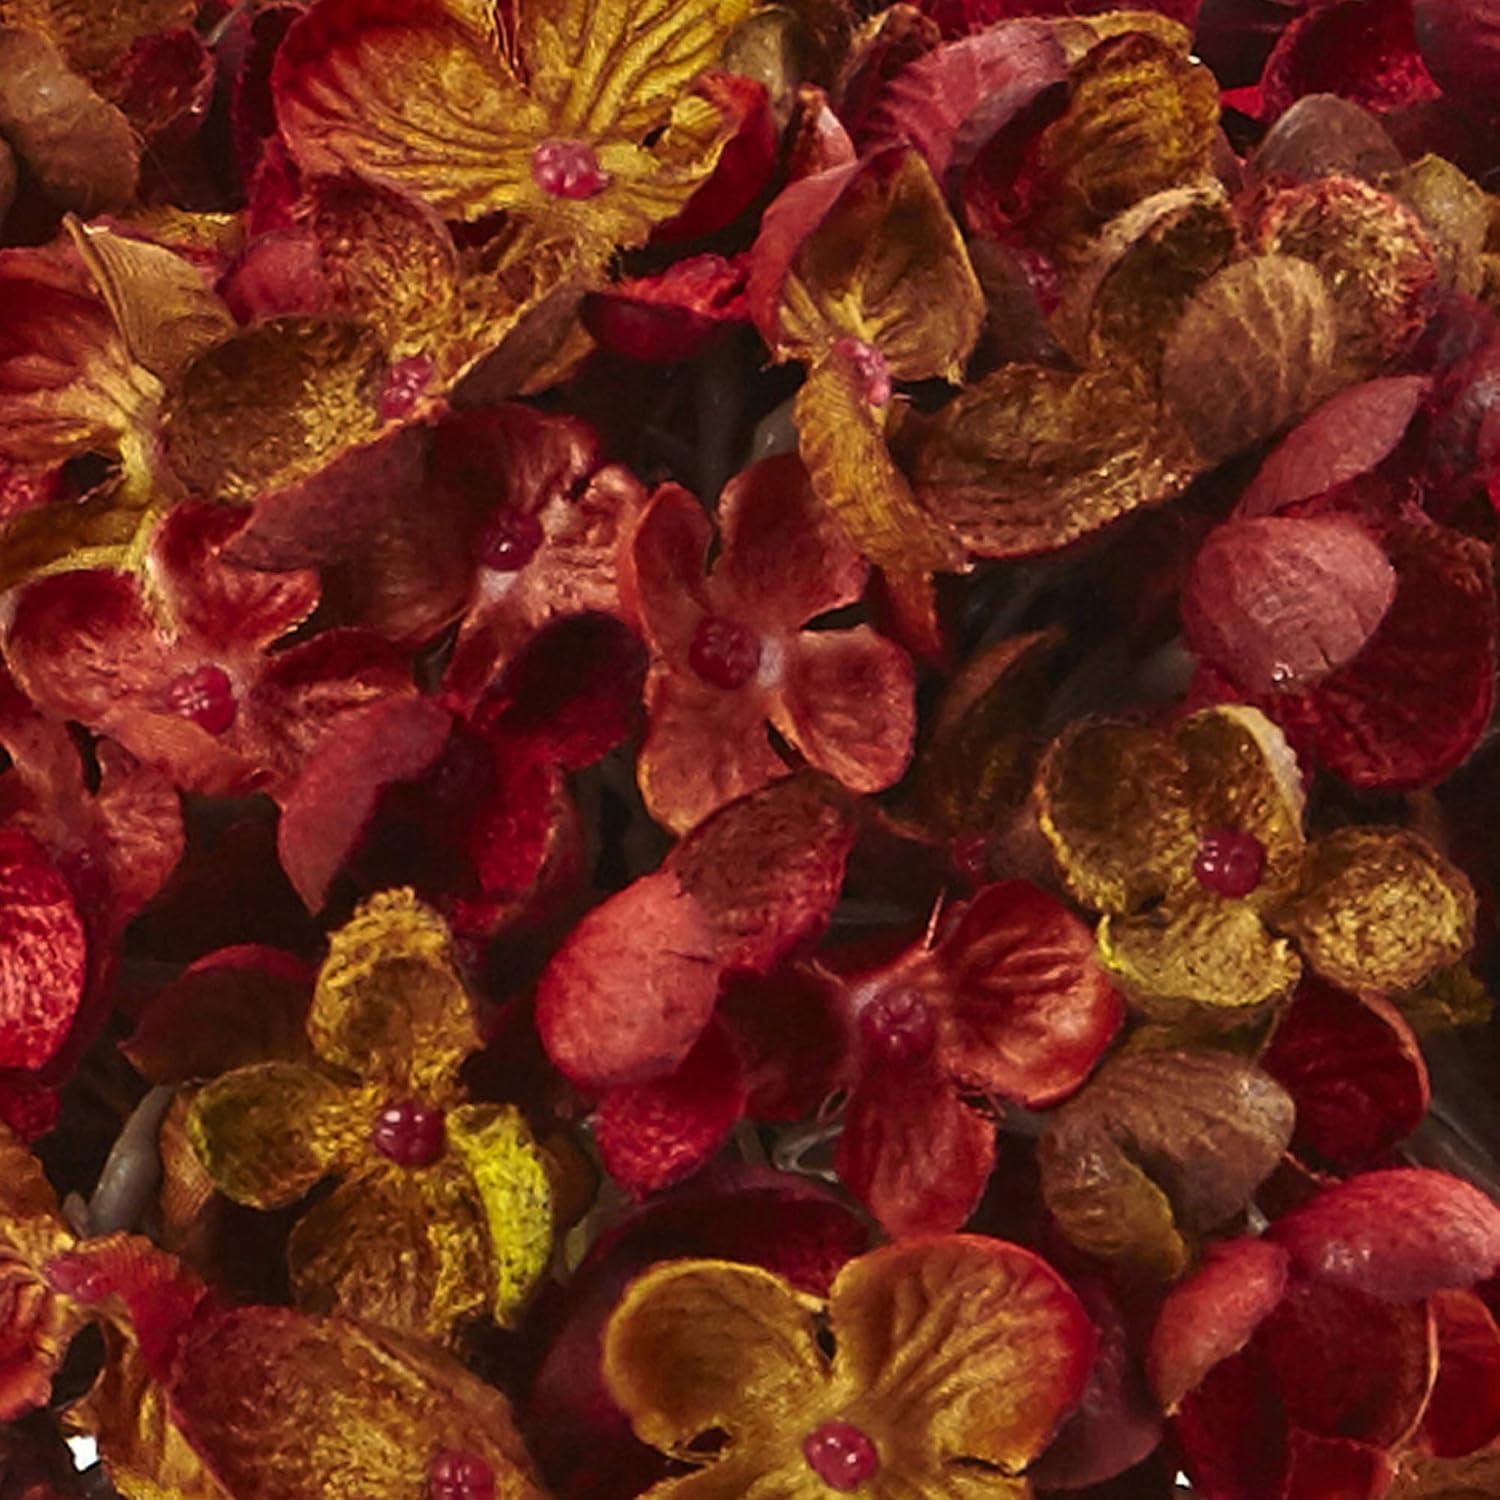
pixel 745 749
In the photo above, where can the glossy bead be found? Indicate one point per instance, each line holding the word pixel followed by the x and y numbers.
pixel 899 1025
pixel 509 540
pixel 410 1134
pixel 724 653
pixel 204 695
pixel 1229 862
pixel 459 1476
pixel 404 383
pixel 841 1456
pixel 568 169
pixel 870 369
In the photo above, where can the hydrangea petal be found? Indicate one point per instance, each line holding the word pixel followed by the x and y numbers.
pixel 1464 1413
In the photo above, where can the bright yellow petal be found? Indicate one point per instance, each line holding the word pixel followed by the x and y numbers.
pixel 268 1133
pixel 389 1003
pixel 698 1345
pixel 1380 909
pixel 514 1186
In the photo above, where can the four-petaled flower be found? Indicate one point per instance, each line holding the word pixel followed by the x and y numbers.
pixel 955 1359
pixel 1190 843
pixel 443 1209
pixel 730 651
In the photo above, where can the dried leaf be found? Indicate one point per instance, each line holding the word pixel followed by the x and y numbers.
pixel 1160 1146
pixel 1256 348
pixel 1379 909
pixel 1031 459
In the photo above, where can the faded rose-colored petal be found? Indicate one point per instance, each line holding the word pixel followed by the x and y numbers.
pixel 653 1134
pixel 1464 1412
pixel 845 700
pixel 912 1152
pixel 1348 435
pixel 331 804
pixel 664 582
pixel 1030 1011
pixel 1278 602
pixel 1460 43
pixel 43 954
pixel 785 558
pixel 632 987
pixel 705 747
pixel 671 316
pixel 1400 1234
pixel 1411 706
pixel 939 1330
pixel 767 869
pixel 1355 1071
pixel 1213 1314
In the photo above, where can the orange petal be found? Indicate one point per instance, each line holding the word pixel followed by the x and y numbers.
pixel 962 1348
pixel 1380 909
pixel 389 1004
pixel 698 1345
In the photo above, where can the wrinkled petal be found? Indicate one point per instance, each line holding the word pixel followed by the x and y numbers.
pixel 665 583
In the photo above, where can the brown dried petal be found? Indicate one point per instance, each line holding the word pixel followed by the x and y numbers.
pixel 1158 1146
pixel 1030 459
pixel 1455 211
pixel 1255 349
pixel 1322 135
pixel 1380 909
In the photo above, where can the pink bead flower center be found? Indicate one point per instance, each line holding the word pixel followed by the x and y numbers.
pixel 1229 862
pixel 408 1133
pixel 899 1025
pixel 841 1456
pixel 510 540
pixel 724 653
pixel 404 382
pixel 206 696
pixel 870 369
pixel 459 1476
pixel 568 169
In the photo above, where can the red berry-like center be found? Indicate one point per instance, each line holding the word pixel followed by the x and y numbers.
pixel 841 1456
pixel 899 1025
pixel 724 653
pixel 1229 862
pixel 459 1476
pixel 404 382
pixel 568 169
pixel 206 696
pixel 410 1134
pixel 510 540
pixel 870 369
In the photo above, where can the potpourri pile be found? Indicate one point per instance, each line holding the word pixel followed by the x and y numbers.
pixel 746 749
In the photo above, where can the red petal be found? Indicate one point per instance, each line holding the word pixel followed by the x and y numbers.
pixel 1460 43
pixel 1030 1010
pixel 653 1134
pixel 1354 1070
pixel 1324 1468
pixel 632 987
pixel 766 870
pixel 663 580
pixel 1345 437
pixel 248 48
pixel 330 806
pixel 791 1037
pixel 1232 1433
pixel 846 701
pixel 913 1153
pixel 1464 1413
pixel 277 275
pixel 949 102
pixel 1411 706
pixel 164 85
pixel 1213 1314
pixel 671 316
pixel 1400 1234
pixel 785 559
pixel 43 954
pixel 27 1108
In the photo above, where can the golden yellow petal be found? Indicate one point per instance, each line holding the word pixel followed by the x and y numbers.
pixel 1202 958
pixel 1257 346
pixel 1112 801
pixel 513 1183
pixel 1031 458
pixel 268 1133
pixel 1455 212
pixel 1379 909
pixel 389 1003
pixel 765 1473
pixel 272 405
pixel 110 529
pixel 841 438
pixel 701 1344
pixel 1452 997
pixel 398 1246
